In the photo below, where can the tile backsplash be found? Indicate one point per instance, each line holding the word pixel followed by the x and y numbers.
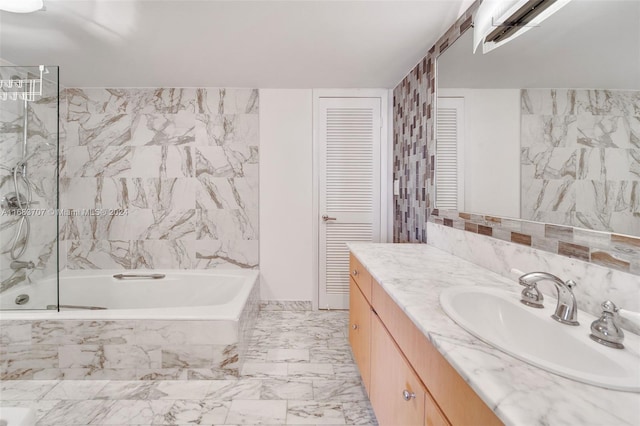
pixel 595 283
pixel 173 173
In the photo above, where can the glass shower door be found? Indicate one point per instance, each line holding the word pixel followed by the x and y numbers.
pixel 29 140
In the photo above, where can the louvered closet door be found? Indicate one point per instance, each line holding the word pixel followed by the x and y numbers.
pixel 450 154
pixel 349 139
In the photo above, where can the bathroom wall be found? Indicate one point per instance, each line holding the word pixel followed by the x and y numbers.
pixel 173 173
pixel 580 160
pixel 286 187
pixel 42 151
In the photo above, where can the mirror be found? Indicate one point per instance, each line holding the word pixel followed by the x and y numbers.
pixel 546 128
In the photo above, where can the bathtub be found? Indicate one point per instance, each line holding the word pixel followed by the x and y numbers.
pixel 209 294
pixel 187 325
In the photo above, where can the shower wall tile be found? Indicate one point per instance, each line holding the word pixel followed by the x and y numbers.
pixel 225 254
pixel 99 254
pixel 181 164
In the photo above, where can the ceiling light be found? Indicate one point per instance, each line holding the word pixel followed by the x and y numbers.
pixel 500 21
pixel 21 6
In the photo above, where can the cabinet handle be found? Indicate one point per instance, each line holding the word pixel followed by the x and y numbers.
pixel 355 272
pixel 354 326
pixel 406 395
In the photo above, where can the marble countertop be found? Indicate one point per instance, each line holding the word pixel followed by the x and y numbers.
pixel 520 394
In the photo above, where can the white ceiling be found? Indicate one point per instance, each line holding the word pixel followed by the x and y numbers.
pixel 586 44
pixel 182 43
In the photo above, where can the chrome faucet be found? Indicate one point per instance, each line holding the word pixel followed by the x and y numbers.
pixel 605 330
pixel 16 265
pixel 566 309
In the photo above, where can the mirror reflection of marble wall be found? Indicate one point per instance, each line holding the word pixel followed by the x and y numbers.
pixel 580 158
pixel 578 79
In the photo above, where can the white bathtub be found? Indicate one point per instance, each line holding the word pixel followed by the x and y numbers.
pixel 188 325
pixel 210 294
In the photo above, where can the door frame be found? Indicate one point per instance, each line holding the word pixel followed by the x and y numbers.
pixel 386 198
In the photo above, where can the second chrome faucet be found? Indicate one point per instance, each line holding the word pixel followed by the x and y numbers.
pixel 566 309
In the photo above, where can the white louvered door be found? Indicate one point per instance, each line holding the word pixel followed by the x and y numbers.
pixel 450 154
pixel 349 189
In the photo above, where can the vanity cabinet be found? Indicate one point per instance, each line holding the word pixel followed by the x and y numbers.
pixel 360 331
pixel 397 395
pixel 402 358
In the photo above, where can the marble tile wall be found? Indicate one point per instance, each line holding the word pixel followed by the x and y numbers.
pixel 125 349
pixel 173 172
pixel 42 152
pixel 580 158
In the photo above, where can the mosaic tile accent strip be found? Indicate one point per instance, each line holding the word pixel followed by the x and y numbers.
pixel 182 164
pixel 414 157
pixel 413 146
pixel 615 251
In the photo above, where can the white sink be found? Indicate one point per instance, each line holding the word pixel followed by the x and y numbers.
pixel 498 318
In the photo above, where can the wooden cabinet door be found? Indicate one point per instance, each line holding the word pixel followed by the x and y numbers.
pixel 432 414
pixel 360 332
pixel 397 396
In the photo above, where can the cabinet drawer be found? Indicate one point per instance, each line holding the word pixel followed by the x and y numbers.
pixel 453 395
pixel 397 396
pixel 361 276
pixel 360 332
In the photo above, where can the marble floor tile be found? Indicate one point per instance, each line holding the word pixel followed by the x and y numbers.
pixel 73 412
pixel 11 390
pixel 263 369
pixel 332 355
pixel 42 407
pixel 344 390
pixel 129 390
pixel 287 388
pixel 310 371
pixel 127 412
pixel 257 412
pixel 299 370
pixel 182 389
pixel 202 412
pixel 314 412
pixel 226 390
pixel 359 413
pixel 76 389
pixel 288 355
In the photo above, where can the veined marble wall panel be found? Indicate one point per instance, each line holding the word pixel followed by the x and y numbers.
pixel 182 164
pixel 580 158
pixel 42 150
